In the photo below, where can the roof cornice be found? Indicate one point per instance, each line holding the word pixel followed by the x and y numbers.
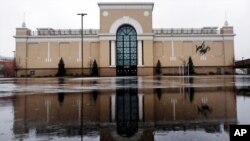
pixel 126 5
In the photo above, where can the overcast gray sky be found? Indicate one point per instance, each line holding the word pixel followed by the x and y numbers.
pixel 167 14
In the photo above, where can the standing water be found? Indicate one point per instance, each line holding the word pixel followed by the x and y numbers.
pixel 123 108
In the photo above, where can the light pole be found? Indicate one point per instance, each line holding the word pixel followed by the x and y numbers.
pixel 82 14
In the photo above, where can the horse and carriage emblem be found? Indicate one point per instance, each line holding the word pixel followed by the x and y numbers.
pixel 202 49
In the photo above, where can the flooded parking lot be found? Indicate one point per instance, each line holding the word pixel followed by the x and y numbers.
pixel 123 108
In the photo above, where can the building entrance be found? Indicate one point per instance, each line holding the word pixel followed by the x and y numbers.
pixel 126 51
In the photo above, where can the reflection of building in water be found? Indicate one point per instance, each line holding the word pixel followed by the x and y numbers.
pixel 127 109
pixel 172 111
pixel 241 85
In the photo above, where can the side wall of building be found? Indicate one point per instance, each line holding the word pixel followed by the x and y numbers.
pixel 42 58
pixel 174 54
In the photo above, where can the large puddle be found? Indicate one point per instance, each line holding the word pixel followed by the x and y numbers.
pixel 123 108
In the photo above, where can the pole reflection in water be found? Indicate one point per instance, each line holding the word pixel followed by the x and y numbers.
pixel 127 108
pixel 81 129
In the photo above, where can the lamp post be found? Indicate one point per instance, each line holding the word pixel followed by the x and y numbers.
pixel 82 14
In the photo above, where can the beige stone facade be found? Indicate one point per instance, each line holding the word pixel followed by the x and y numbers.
pixel 38 52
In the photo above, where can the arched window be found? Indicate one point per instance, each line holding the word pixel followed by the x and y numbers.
pixel 126 51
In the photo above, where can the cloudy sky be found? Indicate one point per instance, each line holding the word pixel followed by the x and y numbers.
pixel 61 14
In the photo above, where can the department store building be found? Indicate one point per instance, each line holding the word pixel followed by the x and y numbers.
pixel 125 45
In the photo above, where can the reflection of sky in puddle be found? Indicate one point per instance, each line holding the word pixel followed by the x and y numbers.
pixel 243 104
pixel 190 136
pixel 6 120
pixel 169 108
